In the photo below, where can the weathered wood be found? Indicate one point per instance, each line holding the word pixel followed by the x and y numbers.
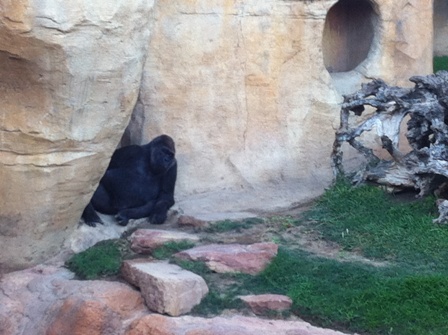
pixel 425 166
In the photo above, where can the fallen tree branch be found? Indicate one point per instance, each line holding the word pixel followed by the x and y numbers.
pixel 425 166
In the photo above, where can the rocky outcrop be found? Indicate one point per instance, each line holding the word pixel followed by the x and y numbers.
pixel 222 258
pixel 69 78
pixel 241 86
pixel 243 89
pixel 45 300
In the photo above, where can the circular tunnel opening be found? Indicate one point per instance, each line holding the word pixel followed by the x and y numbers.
pixel 348 34
pixel 440 35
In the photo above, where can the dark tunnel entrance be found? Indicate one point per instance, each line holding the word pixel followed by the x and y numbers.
pixel 348 34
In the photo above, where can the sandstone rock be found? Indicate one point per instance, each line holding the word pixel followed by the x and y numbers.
pixel 191 221
pixel 46 301
pixel 253 74
pixel 80 317
pixel 260 304
pixel 237 325
pixel 221 258
pixel 146 240
pixel 167 288
pixel 70 76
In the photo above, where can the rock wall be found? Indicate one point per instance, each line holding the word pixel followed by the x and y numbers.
pixel 69 78
pixel 243 88
pixel 241 85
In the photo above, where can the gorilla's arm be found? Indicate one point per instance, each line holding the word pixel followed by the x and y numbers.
pixel 165 200
pixel 91 218
pixel 125 215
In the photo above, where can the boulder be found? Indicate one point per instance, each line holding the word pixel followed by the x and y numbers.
pixel 69 78
pixel 166 288
pixel 237 325
pixel 221 258
pixel 144 241
pixel 54 304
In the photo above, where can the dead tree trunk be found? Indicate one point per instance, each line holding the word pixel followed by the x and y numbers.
pixel 425 166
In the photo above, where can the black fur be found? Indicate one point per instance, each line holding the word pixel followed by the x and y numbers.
pixel 139 182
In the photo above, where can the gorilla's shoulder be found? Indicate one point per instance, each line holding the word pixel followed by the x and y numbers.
pixel 128 156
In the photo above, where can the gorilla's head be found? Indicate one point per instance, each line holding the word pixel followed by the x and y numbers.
pixel 162 153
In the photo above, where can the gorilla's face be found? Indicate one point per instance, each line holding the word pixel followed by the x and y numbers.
pixel 162 158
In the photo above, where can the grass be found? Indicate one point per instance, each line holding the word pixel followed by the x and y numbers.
pixel 101 260
pixel 221 296
pixel 440 63
pixel 409 295
pixel 105 258
pixel 376 224
pixel 358 297
pixel 231 225
pixel 168 249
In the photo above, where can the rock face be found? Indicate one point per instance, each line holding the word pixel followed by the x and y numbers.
pixel 167 288
pixel 222 258
pixel 241 86
pixel 69 78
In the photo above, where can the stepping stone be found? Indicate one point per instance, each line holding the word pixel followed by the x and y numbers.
pixel 166 288
pixel 262 303
pixel 144 241
pixel 222 258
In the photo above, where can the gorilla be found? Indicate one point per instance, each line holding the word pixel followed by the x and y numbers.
pixel 139 182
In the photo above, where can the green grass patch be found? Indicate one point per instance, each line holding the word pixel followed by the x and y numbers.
pixel 379 226
pixel 282 223
pixel 196 267
pixel 101 260
pixel 215 302
pixel 440 63
pixel 357 297
pixel 232 225
pixel 168 249
pixel 221 296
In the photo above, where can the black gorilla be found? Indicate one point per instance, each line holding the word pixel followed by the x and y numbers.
pixel 139 182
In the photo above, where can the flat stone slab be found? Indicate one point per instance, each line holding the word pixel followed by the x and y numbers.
pixel 237 325
pixel 222 258
pixel 191 221
pixel 166 288
pixel 144 241
pixel 262 303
